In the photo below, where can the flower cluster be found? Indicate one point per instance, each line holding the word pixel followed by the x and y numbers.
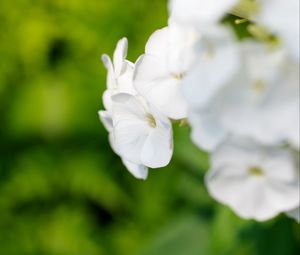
pixel 240 97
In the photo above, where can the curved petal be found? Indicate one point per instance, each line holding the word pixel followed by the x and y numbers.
pixel 159 88
pixel 158 43
pixel 125 80
pixel 210 73
pixel 130 136
pixel 284 196
pixel 130 126
pixel 148 68
pixel 120 55
pixel 111 78
pixel 137 170
pixel 106 119
pixel 158 148
pixel 107 99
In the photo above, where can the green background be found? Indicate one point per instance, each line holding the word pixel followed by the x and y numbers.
pixel 62 189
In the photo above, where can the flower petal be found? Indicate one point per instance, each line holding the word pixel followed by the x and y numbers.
pixel 137 170
pixel 158 43
pixel 130 126
pixel 159 87
pixel 120 55
pixel 158 148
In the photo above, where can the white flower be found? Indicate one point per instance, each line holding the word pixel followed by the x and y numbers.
pixel 120 72
pixel 119 79
pixel 137 170
pixel 295 214
pixel 282 18
pixel 198 12
pixel 257 182
pixel 159 72
pixel 142 135
pixel 263 100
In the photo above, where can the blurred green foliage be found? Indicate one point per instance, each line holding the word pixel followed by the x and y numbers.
pixel 62 189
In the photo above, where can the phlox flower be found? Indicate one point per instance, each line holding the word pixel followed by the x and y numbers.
pixel 142 135
pixel 119 79
pixel 255 181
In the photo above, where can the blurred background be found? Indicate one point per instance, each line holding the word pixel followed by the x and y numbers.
pixel 62 189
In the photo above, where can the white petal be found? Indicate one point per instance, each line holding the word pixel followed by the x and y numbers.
pixel 239 151
pixel 217 62
pixel 148 68
pixel 106 119
pixel 280 165
pixel 125 80
pixel 112 143
pixel 130 126
pixel 120 55
pixel 159 87
pixel 283 195
pixel 158 43
pixel 111 78
pixel 107 62
pixel 137 170
pixel 158 148
pixel 107 99
pixel 181 47
pixel 207 131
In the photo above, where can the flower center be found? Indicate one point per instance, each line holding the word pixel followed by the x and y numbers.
pixel 256 171
pixel 259 86
pixel 178 76
pixel 151 121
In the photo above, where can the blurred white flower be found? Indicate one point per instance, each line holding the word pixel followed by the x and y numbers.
pixel 282 18
pixel 263 100
pixel 119 73
pixel 137 170
pixel 217 61
pixel 207 130
pixel 142 135
pixel 159 72
pixel 257 182
pixel 199 12
pixel 295 214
